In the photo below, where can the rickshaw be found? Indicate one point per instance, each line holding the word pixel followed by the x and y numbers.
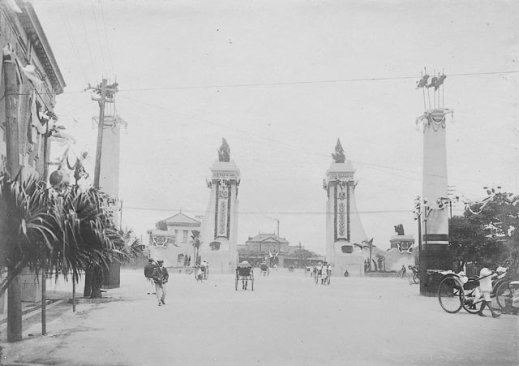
pixel 264 269
pixel 244 273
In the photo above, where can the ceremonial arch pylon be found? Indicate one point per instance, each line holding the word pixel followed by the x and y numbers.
pixel 434 253
pixel 344 231
pixel 219 231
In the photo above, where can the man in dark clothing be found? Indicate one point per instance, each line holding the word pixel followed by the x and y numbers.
pixel 160 277
pixel 149 269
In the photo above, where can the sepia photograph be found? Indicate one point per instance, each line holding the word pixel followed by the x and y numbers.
pixel 259 182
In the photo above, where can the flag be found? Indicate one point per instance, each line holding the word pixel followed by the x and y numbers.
pixel 440 81
pixel 422 82
pixel 270 254
pixel 434 81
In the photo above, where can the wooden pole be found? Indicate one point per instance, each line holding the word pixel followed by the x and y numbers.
pixel 101 101
pixel 12 87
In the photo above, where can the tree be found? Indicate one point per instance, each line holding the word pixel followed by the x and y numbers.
pixel 488 230
pixel 26 236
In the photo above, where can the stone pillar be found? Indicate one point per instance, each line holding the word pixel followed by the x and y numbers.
pixel 109 183
pixel 343 225
pixel 219 231
pixel 435 254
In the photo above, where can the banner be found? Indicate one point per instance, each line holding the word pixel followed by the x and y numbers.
pixel 342 211
pixel 222 210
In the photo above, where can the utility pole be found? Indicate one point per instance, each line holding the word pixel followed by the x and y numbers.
pixel 12 91
pixel 105 93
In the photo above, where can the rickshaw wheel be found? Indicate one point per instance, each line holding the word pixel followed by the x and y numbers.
pixel 450 294
pixel 504 296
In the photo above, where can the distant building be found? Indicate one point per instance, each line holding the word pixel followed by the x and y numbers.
pixel 276 251
pixel 171 240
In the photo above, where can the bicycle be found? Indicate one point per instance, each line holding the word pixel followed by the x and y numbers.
pixel 414 278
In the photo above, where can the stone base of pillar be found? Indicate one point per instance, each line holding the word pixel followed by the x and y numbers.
pixel 112 275
pixel 433 258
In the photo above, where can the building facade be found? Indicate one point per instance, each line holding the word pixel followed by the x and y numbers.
pixel 171 240
pixel 276 251
pixel 29 79
pixel 39 80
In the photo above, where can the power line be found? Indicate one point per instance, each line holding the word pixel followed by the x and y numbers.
pixel 331 81
pixel 286 83
pixel 137 208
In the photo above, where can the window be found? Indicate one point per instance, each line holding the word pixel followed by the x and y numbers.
pixel 184 238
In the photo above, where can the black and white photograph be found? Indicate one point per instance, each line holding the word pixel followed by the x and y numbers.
pixel 259 182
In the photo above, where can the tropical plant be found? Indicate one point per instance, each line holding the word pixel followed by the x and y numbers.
pixel 27 224
pixel 196 241
pixel 26 238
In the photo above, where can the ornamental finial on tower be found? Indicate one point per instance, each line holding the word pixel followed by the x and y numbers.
pixel 224 152
pixel 339 156
pixel 435 111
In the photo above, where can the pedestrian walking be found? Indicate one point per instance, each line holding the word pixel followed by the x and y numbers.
pixel 149 269
pixel 160 277
pixel 485 286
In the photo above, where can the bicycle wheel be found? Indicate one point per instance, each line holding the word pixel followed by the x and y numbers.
pixel 504 296
pixel 450 294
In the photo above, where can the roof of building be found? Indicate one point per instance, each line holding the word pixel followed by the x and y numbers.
pixel 180 219
pixel 267 237
pixel 37 36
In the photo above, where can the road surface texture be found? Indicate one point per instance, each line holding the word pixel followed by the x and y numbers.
pixel 287 320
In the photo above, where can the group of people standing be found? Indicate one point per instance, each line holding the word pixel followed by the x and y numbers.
pixel 322 273
pixel 156 277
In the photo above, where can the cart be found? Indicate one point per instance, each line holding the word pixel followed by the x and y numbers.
pixel 245 274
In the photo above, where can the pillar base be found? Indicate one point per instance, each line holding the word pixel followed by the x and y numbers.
pixel 433 258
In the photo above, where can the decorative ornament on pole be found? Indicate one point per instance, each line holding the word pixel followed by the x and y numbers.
pixel 434 112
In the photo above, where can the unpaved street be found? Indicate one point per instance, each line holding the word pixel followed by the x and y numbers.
pixel 287 320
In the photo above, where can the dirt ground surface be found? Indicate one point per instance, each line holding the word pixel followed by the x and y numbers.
pixel 286 320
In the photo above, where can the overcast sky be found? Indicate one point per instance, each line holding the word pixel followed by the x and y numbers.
pixel 279 80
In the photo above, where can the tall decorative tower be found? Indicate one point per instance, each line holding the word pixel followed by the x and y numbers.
pixel 434 253
pixel 343 226
pixel 109 180
pixel 220 226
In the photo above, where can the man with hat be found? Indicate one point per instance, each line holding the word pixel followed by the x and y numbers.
pixel 149 268
pixel 160 277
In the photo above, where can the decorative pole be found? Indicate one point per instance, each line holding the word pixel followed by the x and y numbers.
pixel 435 254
